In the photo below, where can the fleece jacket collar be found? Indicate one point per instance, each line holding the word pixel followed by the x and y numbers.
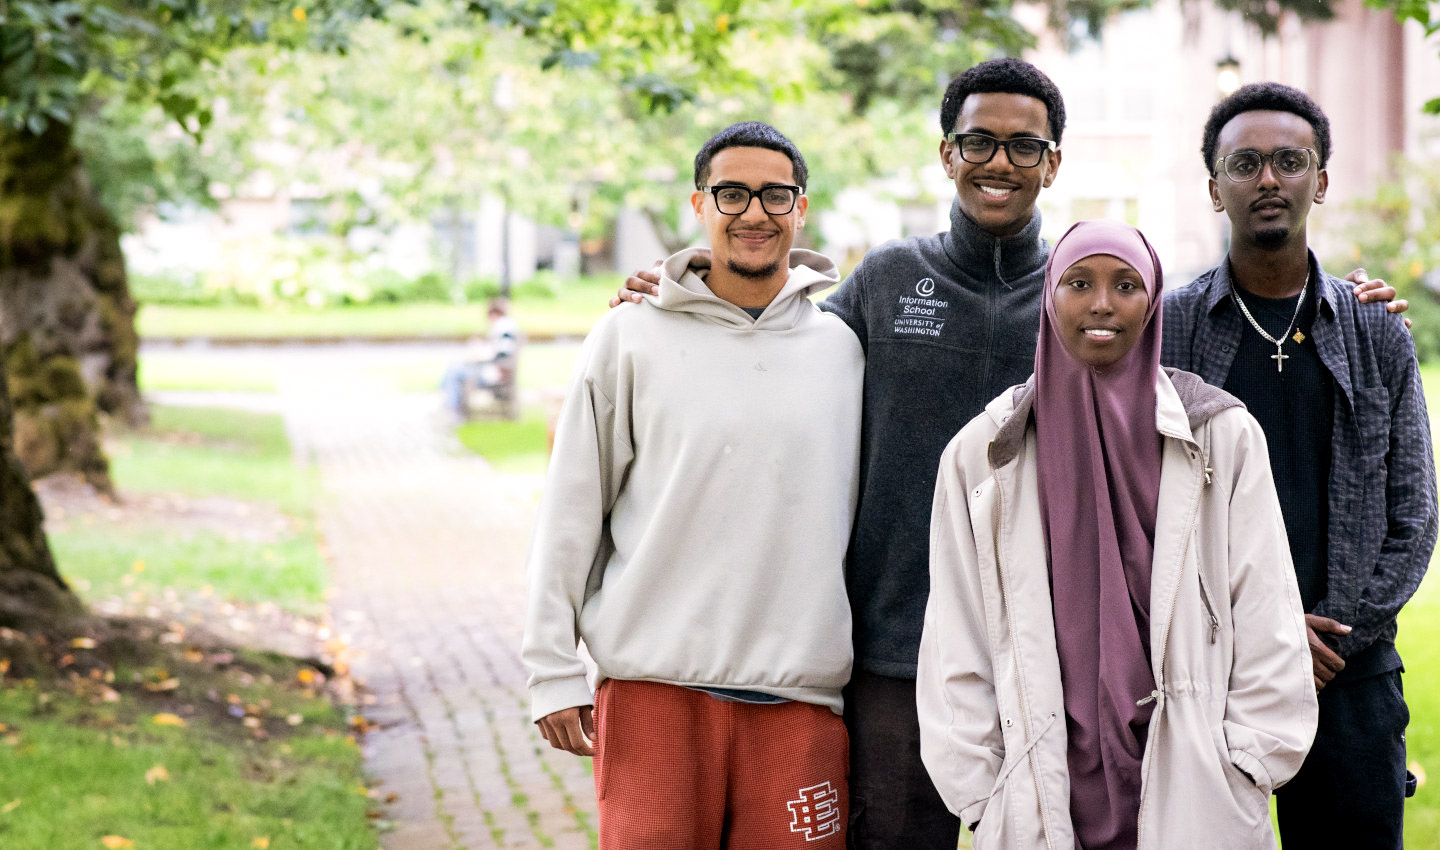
pixel 971 247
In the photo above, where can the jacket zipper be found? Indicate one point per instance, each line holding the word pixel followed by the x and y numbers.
pixel 1158 695
pixel 1019 680
pixel 1209 608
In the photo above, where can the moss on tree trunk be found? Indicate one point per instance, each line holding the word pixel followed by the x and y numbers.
pixel 67 322
pixel 32 593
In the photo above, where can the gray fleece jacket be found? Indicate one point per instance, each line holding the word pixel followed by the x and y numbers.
pixel 947 322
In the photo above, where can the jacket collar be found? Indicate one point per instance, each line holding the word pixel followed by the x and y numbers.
pixel 1182 403
pixel 1222 288
pixel 985 256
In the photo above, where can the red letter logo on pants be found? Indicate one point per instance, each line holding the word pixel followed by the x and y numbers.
pixel 817 812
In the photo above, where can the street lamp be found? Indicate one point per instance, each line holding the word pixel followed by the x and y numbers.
pixel 504 99
pixel 1227 75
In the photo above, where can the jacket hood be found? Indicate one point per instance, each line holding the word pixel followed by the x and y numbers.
pixel 683 290
pixel 1176 393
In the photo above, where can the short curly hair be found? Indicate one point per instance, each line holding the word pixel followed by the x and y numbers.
pixel 1269 97
pixel 749 134
pixel 1004 76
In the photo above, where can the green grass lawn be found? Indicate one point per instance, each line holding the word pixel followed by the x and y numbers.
pixel 570 312
pixel 510 447
pixel 214 451
pixel 90 763
pixel 154 738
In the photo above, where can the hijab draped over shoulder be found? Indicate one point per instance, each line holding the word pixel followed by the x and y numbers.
pixel 1099 482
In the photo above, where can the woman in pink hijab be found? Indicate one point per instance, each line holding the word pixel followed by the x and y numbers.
pixel 1114 652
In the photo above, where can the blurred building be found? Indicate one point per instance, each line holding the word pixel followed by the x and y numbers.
pixel 1138 99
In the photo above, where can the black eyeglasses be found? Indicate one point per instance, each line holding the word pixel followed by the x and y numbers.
pixel 1244 166
pixel 978 148
pixel 735 200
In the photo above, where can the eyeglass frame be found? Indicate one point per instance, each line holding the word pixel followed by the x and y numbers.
pixel 955 138
pixel 796 193
pixel 1312 156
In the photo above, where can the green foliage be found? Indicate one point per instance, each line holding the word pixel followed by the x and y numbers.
pixel 561 308
pixel 1422 12
pixel 1396 235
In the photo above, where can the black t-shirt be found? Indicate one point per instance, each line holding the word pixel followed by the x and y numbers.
pixel 1295 406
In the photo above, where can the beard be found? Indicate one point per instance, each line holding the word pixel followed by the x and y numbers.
pixel 1271 237
pixel 753 272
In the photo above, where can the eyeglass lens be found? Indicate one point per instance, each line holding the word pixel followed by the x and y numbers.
pixel 1247 165
pixel 734 200
pixel 979 149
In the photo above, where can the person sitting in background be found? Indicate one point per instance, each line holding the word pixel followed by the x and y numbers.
pixel 494 369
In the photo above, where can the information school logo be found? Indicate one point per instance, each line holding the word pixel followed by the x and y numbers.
pixel 925 287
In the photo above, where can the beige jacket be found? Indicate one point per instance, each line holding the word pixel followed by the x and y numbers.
pixel 1235 701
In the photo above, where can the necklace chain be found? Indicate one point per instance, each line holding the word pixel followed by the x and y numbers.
pixel 1278 356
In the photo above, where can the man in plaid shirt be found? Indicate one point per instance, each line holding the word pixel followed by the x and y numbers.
pixel 1335 385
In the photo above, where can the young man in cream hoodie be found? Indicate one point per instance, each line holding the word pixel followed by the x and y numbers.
pixel 693 533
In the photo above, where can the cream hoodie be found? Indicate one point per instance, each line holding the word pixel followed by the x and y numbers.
pixel 698 506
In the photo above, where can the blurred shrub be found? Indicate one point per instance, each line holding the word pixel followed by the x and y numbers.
pixel 318 273
pixel 1395 235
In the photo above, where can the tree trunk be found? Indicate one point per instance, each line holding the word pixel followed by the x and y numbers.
pixel 67 323
pixel 31 590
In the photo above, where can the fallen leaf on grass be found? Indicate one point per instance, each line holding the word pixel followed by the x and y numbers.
pixel 260 842
pixel 305 675
pixel 10 806
pixel 168 719
pixel 159 687
pixel 115 841
pixel 82 643
pixel 158 773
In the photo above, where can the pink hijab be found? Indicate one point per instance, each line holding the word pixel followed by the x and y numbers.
pixel 1099 481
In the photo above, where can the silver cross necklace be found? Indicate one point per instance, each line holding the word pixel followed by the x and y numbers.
pixel 1279 356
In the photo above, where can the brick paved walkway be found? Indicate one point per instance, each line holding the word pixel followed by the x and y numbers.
pixel 428 547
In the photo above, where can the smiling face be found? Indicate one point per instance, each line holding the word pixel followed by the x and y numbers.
pixel 1270 210
pixel 753 244
pixel 997 195
pixel 1100 307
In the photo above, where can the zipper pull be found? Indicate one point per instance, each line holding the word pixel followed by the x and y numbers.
pixel 1154 697
pixel 1214 629
pixel 1208 470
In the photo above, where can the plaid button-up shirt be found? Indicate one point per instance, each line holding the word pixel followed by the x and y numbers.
pixel 1382 468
